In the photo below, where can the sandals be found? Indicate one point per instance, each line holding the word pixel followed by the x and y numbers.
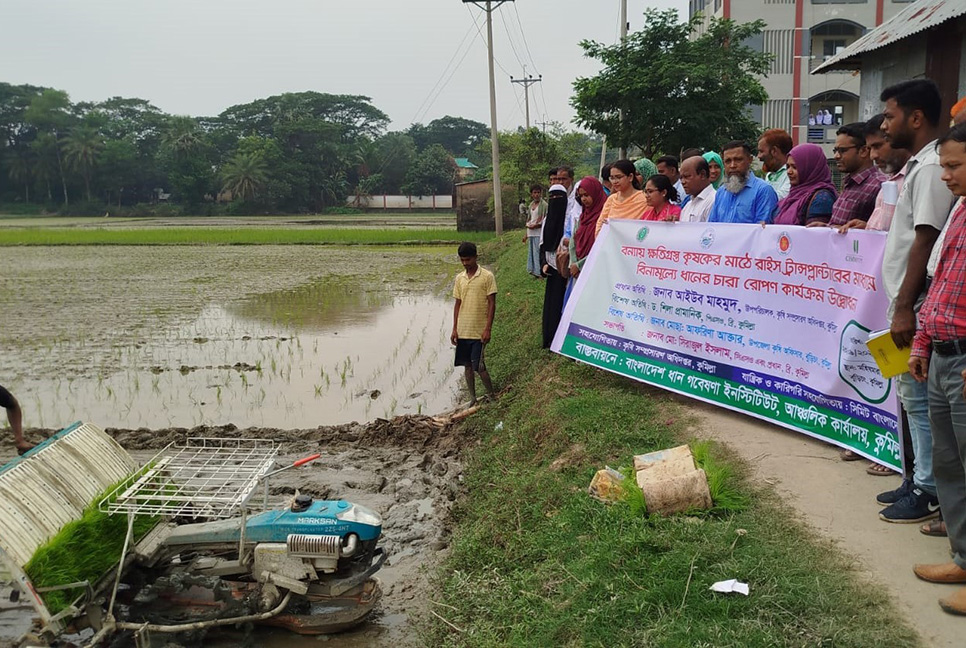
pixel 873 468
pixel 878 470
pixel 934 528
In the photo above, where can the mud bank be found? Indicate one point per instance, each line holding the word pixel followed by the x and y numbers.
pixel 407 469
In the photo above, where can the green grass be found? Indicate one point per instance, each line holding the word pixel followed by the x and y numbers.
pixel 235 236
pixel 535 561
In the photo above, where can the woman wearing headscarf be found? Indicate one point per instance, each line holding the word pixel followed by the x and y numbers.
pixel 644 169
pixel 715 164
pixel 592 197
pixel 550 237
pixel 626 200
pixel 812 194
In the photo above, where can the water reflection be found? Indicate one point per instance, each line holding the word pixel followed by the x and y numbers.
pixel 318 305
pixel 318 355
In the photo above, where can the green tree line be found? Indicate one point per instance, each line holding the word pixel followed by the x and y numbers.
pixel 295 152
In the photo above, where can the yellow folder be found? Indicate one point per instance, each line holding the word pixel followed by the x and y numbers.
pixel 891 359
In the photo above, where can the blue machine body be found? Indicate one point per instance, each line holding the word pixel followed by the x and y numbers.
pixel 322 517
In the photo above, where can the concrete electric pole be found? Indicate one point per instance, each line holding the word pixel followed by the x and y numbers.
pixel 489 6
pixel 526 82
pixel 623 149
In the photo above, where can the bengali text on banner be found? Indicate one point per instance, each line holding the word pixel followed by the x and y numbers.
pixel 769 321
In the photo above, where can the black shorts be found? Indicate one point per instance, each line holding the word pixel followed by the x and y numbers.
pixel 470 353
pixel 6 399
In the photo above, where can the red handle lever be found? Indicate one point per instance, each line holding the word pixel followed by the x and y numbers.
pixel 306 460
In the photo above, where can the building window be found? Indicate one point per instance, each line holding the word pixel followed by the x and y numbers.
pixel 781 44
pixel 832 47
pixel 717 4
pixel 697 6
pixel 843 1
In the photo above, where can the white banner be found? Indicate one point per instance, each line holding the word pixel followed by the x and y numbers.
pixel 770 321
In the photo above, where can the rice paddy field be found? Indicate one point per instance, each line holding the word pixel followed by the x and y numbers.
pixel 254 335
pixel 156 325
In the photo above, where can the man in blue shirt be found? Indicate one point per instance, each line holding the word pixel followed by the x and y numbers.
pixel 743 197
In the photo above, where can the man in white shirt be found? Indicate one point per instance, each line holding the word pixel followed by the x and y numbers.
pixel 696 179
pixel 911 122
pixel 565 177
pixel 668 166
pixel 773 148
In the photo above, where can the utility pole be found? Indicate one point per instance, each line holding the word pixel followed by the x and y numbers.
pixel 489 6
pixel 526 82
pixel 543 123
pixel 623 149
pixel 603 152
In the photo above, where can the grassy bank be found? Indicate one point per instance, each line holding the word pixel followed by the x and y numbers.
pixel 233 236
pixel 536 562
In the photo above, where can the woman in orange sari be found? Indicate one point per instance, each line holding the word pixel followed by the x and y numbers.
pixel 626 201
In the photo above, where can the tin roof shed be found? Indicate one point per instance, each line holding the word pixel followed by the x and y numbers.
pixel 918 16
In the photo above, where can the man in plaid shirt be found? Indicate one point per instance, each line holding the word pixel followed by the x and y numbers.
pixel 862 180
pixel 939 355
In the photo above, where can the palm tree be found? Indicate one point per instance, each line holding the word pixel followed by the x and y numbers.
pixel 45 152
pixel 81 149
pixel 20 168
pixel 244 175
pixel 183 135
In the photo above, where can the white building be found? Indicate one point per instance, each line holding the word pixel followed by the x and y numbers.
pixel 802 34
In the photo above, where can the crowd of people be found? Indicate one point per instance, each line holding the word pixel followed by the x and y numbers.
pixel 903 173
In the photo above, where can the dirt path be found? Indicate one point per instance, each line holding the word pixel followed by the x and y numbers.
pixel 838 499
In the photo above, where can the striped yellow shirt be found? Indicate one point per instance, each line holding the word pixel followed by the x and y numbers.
pixel 472 293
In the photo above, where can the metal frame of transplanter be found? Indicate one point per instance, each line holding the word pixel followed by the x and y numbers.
pixel 205 478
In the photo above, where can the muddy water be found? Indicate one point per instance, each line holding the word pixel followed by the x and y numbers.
pixel 286 337
pixel 405 469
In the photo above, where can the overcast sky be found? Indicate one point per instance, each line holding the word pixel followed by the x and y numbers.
pixel 417 59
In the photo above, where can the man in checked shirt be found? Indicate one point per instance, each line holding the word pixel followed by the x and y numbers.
pixel 939 357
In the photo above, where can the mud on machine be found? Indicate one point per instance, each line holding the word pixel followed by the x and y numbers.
pixel 210 558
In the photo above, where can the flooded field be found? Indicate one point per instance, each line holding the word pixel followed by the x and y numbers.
pixel 291 343
pixel 280 336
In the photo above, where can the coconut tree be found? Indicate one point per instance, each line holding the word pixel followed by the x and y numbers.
pixel 49 112
pixel 44 153
pixel 183 135
pixel 20 168
pixel 244 175
pixel 81 149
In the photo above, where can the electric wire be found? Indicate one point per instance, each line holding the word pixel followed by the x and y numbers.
pixel 479 31
pixel 437 88
pixel 524 35
pixel 466 35
pixel 533 63
pixel 509 37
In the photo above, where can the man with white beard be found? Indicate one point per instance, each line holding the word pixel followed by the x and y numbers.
pixel 743 197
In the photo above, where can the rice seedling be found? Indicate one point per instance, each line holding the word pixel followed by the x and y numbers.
pixel 84 550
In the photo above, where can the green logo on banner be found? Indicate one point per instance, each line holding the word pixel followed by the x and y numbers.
pixel 642 233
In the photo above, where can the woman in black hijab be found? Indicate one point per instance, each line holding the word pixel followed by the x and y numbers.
pixel 550 238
